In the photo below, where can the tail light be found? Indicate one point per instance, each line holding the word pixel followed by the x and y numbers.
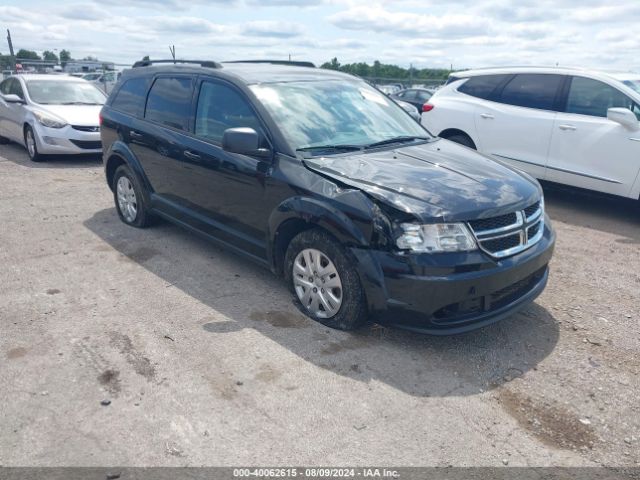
pixel 100 119
pixel 427 107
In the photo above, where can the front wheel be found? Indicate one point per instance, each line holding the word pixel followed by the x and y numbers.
pixel 325 281
pixel 31 145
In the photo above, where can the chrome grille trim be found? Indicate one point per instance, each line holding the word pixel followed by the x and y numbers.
pixel 520 229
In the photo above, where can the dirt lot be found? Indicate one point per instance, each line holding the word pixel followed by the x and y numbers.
pixel 206 361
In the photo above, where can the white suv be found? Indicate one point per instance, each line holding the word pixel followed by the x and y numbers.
pixel 569 126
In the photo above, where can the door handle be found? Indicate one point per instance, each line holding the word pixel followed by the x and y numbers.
pixel 134 134
pixel 487 116
pixel 566 127
pixel 190 155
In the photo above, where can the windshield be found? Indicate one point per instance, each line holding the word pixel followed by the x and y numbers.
pixel 634 84
pixel 91 76
pixel 335 113
pixel 51 92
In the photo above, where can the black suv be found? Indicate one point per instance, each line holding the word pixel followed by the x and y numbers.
pixel 324 180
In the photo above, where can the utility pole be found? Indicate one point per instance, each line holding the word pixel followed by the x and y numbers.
pixel 9 42
pixel 172 49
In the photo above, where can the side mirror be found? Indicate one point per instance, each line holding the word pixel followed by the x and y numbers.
pixel 12 98
pixel 624 117
pixel 244 141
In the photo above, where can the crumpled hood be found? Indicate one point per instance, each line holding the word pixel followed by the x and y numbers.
pixel 83 115
pixel 436 180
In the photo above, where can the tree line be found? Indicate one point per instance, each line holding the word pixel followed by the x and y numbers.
pixel 6 61
pixel 384 70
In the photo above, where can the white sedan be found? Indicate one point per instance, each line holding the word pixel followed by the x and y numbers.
pixel 51 114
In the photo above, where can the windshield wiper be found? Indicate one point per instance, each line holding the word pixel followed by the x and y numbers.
pixel 400 139
pixel 343 148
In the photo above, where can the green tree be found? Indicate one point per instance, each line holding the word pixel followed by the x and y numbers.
pixel 50 56
pixel 65 56
pixel 334 64
pixel 27 54
pixel 91 58
pixel 146 58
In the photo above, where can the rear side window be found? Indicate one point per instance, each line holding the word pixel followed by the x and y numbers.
pixel 532 91
pixel 482 86
pixel 219 108
pixel 169 102
pixel 592 97
pixel 130 97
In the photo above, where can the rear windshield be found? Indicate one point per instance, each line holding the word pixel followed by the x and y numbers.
pixel 51 92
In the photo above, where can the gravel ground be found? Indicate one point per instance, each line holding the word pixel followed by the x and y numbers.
pixel 205 360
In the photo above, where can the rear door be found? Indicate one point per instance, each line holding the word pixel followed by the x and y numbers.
pixel 515 125
pixel 158 141
pixel 587 149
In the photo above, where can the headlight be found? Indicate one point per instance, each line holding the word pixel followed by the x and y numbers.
pixel 49 120
pixel 439 237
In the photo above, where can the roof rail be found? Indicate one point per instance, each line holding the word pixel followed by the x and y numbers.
pixel 202 63
pixel 293 63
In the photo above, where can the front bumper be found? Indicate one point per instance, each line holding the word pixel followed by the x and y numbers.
pixel 66 140
pixel 452 293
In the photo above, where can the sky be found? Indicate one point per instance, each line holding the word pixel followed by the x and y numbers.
pixel 425 33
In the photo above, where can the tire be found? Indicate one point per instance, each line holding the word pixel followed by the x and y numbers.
pixel 319 247
pixel 462 139
pixel 129 199
pixel 3 140
pixel 31 145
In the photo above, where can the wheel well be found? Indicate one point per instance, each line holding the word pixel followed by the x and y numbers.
pixel 450 132
pixel 285 233
pixel 112 165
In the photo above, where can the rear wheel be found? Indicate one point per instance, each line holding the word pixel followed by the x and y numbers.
pixel 31 145
pixel 462 139
pixel 324 279
pixel 127 194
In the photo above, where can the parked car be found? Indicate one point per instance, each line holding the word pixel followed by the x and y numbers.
pixel 415 96
pixel 388 89
pixel 326 181
pixel 570 126
pixel 50 114
pixel 105 81
pixel 410 109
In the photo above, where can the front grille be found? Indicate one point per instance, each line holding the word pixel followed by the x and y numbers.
pixel 83 128
pixel 531 209
pixel 533 231
pixel 493 222
pixel 502 243
pixel 460 311
pixel 512 233
pixel 87 145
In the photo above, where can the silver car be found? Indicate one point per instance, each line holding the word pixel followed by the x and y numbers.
pixel 51 114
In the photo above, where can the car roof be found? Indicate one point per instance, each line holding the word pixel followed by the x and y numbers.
pixel 61 78
pixel 540 69
pixel 248 73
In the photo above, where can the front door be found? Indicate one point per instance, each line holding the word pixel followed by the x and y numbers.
pixel 587 149
pixel 228 191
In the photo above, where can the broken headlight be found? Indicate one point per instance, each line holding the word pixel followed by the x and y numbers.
pixel 435 238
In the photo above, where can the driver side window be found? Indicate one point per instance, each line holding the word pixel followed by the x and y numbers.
pixel 5 86
pixel 594 98
pixel 221 107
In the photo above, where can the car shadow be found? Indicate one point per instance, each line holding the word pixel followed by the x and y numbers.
pixel 247 296
pixel 584 208
pixel 15 153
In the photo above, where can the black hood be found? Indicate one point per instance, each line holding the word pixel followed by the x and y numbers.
pixel 435 180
